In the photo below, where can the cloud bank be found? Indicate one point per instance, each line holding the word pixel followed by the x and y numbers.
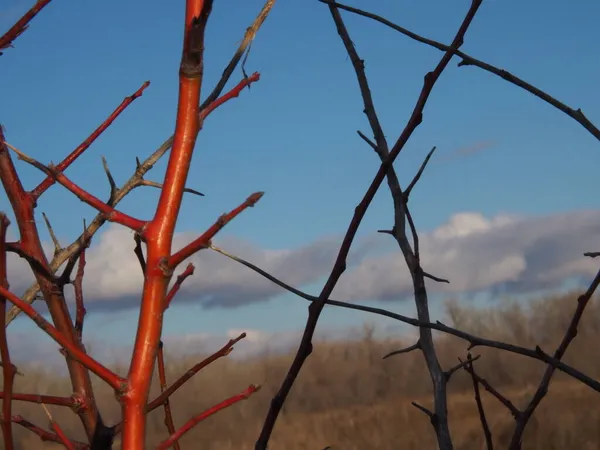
pixel 501 254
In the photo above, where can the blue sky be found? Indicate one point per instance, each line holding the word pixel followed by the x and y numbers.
pixel 293 135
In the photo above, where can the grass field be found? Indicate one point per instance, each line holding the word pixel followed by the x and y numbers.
pixel 347 397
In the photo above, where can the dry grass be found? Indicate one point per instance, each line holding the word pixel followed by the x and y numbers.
pixel 350 399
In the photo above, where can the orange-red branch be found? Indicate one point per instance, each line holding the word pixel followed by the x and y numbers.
pixel 61 435
pixel 49 181
pixel 15 31
pixel 159 231
pixel 189 270
pixel 204 240
pixel 204 415
pixel 111 378
pixel 233 93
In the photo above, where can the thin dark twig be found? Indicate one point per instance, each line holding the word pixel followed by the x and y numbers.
pixel 575 114
pixel 480 409
pixel 474 341
pixel 315 308
pixel 542 390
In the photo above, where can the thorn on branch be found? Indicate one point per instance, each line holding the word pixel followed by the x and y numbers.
pixel 139 252
pixel 57 247
pixel 434 278
pixel 111 182
pixel 418 174
pixel 448 374
pixel 424 410
pixel 160 186
pixel 367 140
pixel 415 346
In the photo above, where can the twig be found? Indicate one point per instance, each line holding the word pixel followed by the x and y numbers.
pixel 497 395
pixel 65 163
pixel 205 414
pixel 78 287
pixel 575 114
pixel 104 373
pixel 316 307
pixel 484 423
pixel 458 366
pixel 542 390
pixel 69 402
pixel 474 341
pixel 44 435
pixel 160 400
pixel 58 430
pixel 162 377
pixel 189 270
pixel 8 369
pixel 204 240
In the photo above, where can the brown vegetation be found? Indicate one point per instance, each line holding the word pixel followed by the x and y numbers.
pixel 349 398
pixel 343 396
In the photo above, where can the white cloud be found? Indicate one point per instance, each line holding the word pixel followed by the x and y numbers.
pixel 476 253
pixel 504 253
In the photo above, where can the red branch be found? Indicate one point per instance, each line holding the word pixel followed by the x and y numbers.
pixel 111 378
pixel 22 24
pixel 58 430
pixel 223 351
pixel 233 93
pixel 46 399
pixel 209 412
pixel 44 435
pixel 162 377
pixel 159 231
pixel 164 396
pixel 204 240
pixel 49 181
pixel 109 212
pixel 8 369
pixel 189 270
